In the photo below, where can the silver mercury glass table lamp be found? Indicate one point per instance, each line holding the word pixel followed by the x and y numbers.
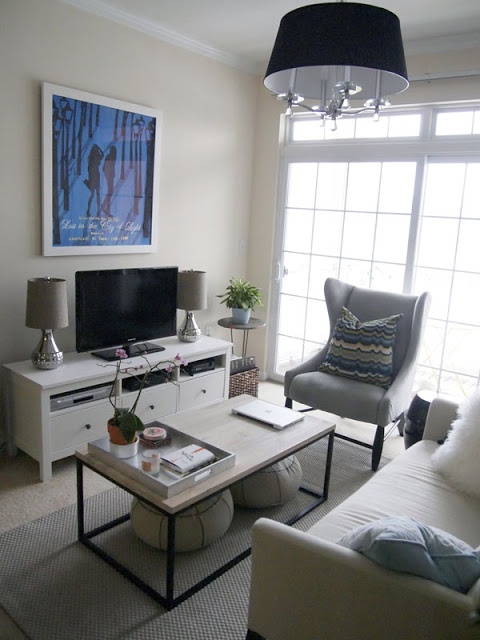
pixel 191 296
pixel 47 309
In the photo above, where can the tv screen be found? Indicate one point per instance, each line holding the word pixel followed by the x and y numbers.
pixel 124 308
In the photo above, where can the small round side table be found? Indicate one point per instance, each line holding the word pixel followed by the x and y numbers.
pixel 253 323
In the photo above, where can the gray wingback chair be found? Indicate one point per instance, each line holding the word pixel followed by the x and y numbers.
pixel 356 399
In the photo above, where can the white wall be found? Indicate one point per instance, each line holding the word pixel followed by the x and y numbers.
pixel 206 152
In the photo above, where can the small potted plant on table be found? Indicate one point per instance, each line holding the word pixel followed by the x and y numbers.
pixel 124 424
pixel 241 297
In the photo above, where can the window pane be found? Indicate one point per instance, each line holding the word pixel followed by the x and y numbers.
pixel 438 282
pixel 355 272
pixel 471 194
pixel 462 349
pixel 317 327
pixel 306 130
pixel 292 316
pixel 345 129
pixel 298 230
pixel 327 233
pixel 359 197
pixel 455 385
pixel 402 126
pixel 444 188
pixel 396 189
pixel 476 122
pixel 289 353
pixel 368 128
pixel 332 180
pixel 432 346
pixel 391 238
pixel 465 304
pixel 296 268
pixel 468 252
pixel 387 277
pixel 426 378
pixel 451 123
pixel 302 178
pixel 321 269
pixel 358 235
pixel 438 243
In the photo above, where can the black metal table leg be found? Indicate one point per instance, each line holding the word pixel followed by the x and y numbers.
pixel 80 501
pixel 328 464
pixel 170 561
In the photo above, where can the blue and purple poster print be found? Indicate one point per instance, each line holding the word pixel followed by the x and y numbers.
pixel 102 174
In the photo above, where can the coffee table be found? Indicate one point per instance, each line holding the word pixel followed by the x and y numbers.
pixel 255 446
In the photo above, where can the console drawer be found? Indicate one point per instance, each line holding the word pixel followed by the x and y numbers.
pixel 201 390
pixel 154 402
pixel 74 428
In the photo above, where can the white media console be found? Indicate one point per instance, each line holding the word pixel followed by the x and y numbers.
pixel 51 413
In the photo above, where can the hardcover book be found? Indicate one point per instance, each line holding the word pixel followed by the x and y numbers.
pixel 187 459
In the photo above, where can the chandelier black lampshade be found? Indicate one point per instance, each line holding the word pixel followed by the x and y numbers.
pixel 320 45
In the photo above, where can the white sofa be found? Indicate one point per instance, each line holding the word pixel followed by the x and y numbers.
pixel 304 586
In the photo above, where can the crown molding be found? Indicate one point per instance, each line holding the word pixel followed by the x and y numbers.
pixel 157 30
pixel 439 44
pixel 104 9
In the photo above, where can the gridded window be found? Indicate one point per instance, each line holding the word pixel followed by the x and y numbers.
pixel 378 216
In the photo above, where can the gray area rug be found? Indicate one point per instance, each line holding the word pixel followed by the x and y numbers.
pixel 57 589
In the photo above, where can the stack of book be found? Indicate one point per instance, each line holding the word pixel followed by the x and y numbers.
pixel 187 459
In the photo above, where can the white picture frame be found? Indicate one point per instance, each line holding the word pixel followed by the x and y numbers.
pixel 100 174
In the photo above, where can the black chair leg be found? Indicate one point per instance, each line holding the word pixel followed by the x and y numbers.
pixel 377 447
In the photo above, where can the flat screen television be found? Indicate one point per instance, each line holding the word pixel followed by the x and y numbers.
pixel 124 308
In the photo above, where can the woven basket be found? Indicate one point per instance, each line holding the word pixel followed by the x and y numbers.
pixel 244 382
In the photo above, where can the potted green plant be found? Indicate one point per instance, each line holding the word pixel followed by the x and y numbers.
pixel 124 424
pixel 241 297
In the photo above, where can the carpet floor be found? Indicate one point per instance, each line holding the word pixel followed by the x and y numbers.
pixel 54 588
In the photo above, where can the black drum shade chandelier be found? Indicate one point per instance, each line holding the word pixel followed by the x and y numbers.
pixel 336 52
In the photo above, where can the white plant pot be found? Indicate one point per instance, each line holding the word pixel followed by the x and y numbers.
pixel 239 316
pixel 124 450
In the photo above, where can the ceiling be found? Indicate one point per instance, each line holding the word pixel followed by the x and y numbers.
pixel 242 32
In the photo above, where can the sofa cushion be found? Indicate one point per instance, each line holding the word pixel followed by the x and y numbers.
pixel 457 458
pixel 406 545
pixel 362 350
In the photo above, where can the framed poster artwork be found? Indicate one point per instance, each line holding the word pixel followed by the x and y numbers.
pixel 100 174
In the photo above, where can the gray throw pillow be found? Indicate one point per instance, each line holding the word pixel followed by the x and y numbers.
pixel 405 545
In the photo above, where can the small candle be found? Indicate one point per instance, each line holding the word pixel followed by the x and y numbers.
pixel 151 462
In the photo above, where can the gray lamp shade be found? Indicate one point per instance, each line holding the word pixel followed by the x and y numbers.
pixel 47 306
pixel 192 290
pixel 314 43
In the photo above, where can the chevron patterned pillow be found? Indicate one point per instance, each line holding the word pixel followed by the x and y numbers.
pixel 362 350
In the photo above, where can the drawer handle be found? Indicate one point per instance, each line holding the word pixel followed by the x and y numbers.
pixel 88 426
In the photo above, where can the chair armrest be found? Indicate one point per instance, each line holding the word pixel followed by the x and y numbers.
pixel 307 588
pixel 441 413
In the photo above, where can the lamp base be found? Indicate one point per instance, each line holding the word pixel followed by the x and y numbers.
pixel 47 355
pixel 190 331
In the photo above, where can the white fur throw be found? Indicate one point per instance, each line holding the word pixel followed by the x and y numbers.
pixel 458 458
